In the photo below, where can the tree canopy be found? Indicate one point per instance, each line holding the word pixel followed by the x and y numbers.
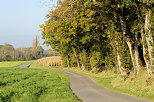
pixel 103 34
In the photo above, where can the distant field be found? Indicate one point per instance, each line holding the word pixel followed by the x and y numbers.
pixel 49 61
pixel 35 65
pixel 34 85
pixel 12 63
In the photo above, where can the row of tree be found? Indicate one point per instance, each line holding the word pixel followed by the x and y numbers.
pixel 9 53
pixel 103 34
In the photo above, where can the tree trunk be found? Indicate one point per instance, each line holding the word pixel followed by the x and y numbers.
pixel 149 37
pixel 68 61
pixel 135 57
pixel 121 68
pixel 132 44
pixel 77 59
pixel 83 67
pixel 146 56
pixel 147 41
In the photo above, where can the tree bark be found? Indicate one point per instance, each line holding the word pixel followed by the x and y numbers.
pixel 78 61
pixel 146 58
pixel 132 44
pixel 147 41
pixel 135 57
pixel 77 58
pixel 68 61
pixel 121 68
pixel 149 37
pixel 83 67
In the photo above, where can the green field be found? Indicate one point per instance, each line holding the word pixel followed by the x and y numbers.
pixel 12 63
pixel 34 85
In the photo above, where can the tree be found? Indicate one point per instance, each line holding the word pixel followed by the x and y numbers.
pixel 147 23
pixel 37 50
pixel 7 52
pixel 103 34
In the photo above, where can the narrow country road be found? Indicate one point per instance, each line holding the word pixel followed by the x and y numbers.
pixel 25 65
pixel 89 91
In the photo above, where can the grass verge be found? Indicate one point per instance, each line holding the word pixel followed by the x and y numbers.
pixel 142 86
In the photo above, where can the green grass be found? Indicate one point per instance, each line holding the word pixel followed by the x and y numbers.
pixel 142 86
pixel 12 63
pixel 34 85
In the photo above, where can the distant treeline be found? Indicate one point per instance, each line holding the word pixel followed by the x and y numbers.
pixel 103 34
pixel 9 53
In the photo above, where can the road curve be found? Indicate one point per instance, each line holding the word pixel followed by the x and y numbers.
pixel 89 91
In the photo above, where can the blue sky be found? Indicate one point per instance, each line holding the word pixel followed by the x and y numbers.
pixel 20 20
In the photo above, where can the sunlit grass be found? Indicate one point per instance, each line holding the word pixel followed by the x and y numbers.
pixel 12 63
pixel 34 85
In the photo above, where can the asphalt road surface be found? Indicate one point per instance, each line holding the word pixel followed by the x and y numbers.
pixel 89 91
pixel 25 65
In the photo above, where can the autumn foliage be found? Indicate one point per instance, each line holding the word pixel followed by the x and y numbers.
pixel 103 34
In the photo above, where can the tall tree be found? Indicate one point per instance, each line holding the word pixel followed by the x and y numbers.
pixel 100 34
pixel 36 49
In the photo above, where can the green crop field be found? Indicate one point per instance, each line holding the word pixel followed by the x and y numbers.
pixel 34 85
pixel 12 63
